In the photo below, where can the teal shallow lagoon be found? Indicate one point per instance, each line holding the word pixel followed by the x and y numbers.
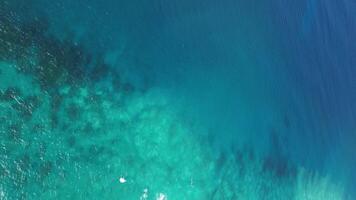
pixel 81 124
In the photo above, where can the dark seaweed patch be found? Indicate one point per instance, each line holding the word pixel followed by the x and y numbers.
pixel 116 83
pixel 34 30
pixel 10 93
pixel 24 162
pixel 127 87
pixel 32 102
pixel 74 58
pixel 94 100
pixel 277 166
pixel 3 171
pixel 26 106
pixel 38 129
pixel 49 72
pixel 239 157
pixel 73 112
pixel 16 37
pixel 58 62
pixel 19 178
pixel 88 129
pixel 54 119
pixel 56 100
pixel 42 150
pixel 99 71
pixel 221 160
pixel 45 168
pixel 71 141
pixel 14 132
pixel 93 150
pixel 276 162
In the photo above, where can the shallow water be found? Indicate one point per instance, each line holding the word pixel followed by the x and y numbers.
pixel 177 100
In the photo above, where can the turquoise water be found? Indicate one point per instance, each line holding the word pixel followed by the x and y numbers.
pixel 177 100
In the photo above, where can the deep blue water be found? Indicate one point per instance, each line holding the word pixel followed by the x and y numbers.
pixel 275 78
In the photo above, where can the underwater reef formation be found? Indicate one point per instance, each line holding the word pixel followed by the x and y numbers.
pixel 72 128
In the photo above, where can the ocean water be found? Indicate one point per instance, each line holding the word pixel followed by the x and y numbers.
pixel 180 99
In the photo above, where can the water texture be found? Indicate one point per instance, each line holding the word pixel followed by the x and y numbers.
pixel 180 99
